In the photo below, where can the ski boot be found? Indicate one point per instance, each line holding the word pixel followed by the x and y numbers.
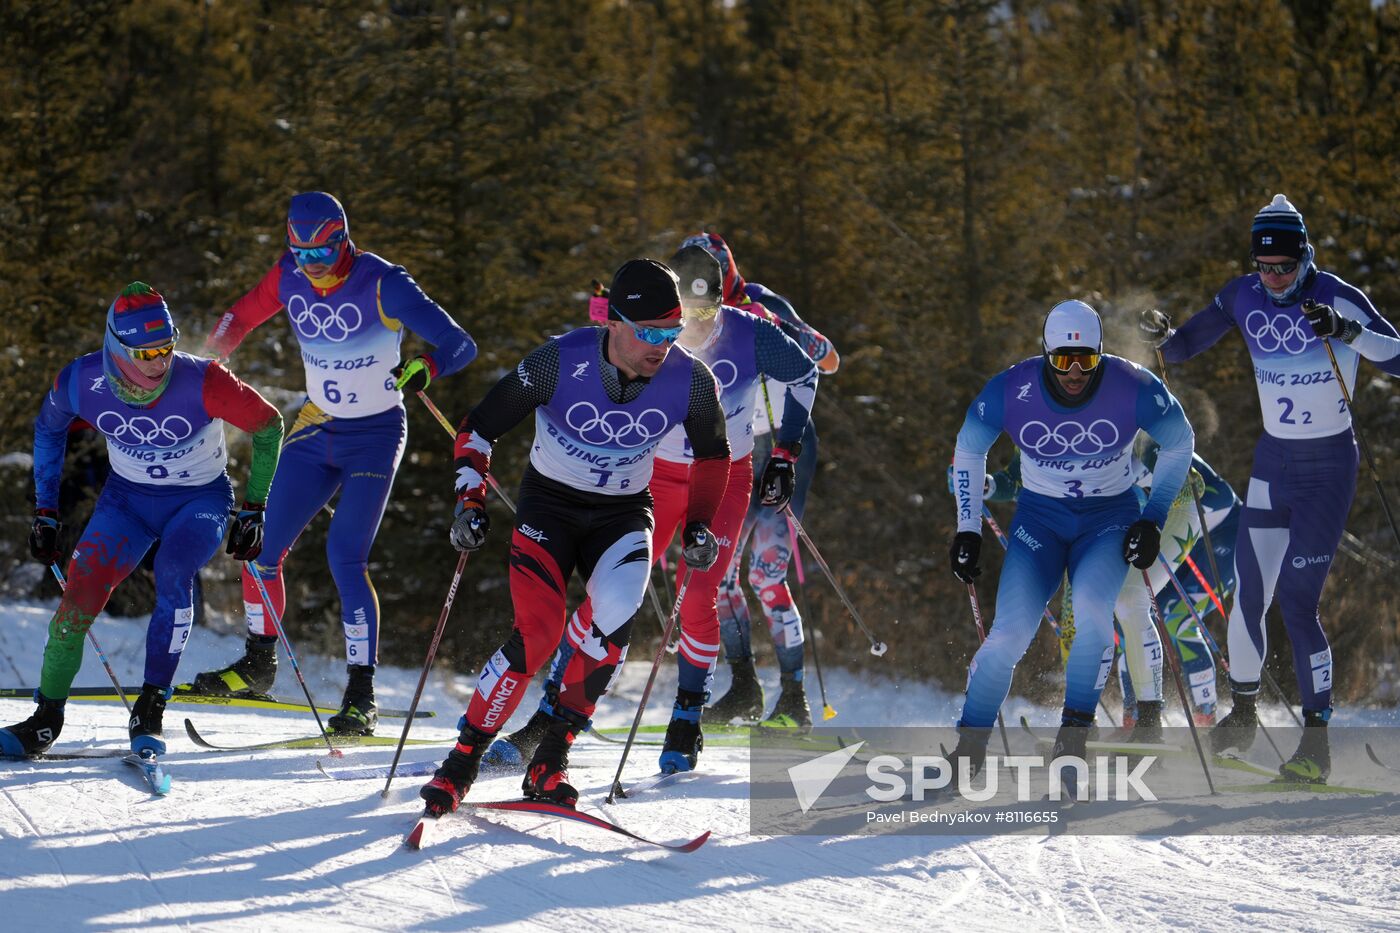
pixel 253 673
pixel 972 748
pixel 36 734
pixel 744 699
pixel 1070 742
pixel 515 749
pixel 454 778
pixel 791 711
pixel 684 740
pixel 1312 762
pixel 547 777
pixel 1147 730
pixel 145 729
pixel 358 713
pixel 1237 729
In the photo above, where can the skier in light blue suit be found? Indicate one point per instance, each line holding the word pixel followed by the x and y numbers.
pixel 1073 412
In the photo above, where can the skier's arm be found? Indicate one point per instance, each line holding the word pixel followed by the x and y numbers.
pixel 1201 332
pixel 519 392
pixel 781 359
pixel 1378 341
pixel 229 398
pixel 57 412
pixel 401 299
pixel 979 431
pixel 254 308
pixel 1161 416
pixel 704 428
pixel 813 342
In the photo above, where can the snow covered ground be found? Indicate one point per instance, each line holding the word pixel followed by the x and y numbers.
pixel 265 842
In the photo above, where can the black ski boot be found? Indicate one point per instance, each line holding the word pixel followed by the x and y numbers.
pixel 972 748
pixel 253 673
pixel 743 700
pixel 1147 730
pixel 358 713
pixel 1312 762
pixel 791 711
pixel 1070 742
pixel 684 740
pixel 547 777
pixel 512 751
pixel 36 734
pixel 454 778
pixel 1237 729
pixel 146 728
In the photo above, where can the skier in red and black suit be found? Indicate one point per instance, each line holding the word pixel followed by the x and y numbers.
pixel 603 398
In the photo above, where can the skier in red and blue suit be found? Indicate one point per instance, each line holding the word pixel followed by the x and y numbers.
pixel 348 309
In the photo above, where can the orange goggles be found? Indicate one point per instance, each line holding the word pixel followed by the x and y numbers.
pixel 147 354
pixel 1063 360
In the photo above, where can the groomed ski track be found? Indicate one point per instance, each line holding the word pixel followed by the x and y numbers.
pixel 263 841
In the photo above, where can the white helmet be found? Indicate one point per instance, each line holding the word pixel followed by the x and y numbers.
pixel 1072 324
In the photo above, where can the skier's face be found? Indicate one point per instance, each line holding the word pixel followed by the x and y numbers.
pixel 1273 281
pixel 634 356
pixel 1074 381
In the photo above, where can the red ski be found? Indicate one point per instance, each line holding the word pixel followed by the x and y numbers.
pixel 416 837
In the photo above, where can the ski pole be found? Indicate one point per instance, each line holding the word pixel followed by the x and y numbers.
pixel 981 639
pixel 1308 305
pixel 1263 670
pixel 1175 665
pixel 877 647
pixel 1046 614
pixel 291 656
pixel 827 711
pixel 447 426
pixel 121 692
pixel 617 790
pixel 1215 646
pixel 427 666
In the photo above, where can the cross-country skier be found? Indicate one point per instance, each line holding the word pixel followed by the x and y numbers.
pixel 766 531
pixel 348 309
pixel 603 398
pixel 1073 412
pixel 1305 463
pixel 162 414
pixel 740 349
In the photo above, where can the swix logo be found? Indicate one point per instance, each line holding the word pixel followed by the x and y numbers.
pixel 634 297
pixel 580 369
pixel 522 374
pixel 1025 538
pixel 534 534
pixel 1024 395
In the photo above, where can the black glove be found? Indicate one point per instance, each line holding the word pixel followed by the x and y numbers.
pixel 699 548
pixel 779 478
pixel 412 376
pixel 470 527
pixel 1142 543
pixel 43 536
pixel 1154 327
pixel 966 554
pixel 245 534
pixel 1326 322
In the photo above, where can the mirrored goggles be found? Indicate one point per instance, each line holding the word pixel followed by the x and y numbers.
pixel 1063 360
pixel 147 354
pixel 312 255
pixel 1276 268
pixel 655 336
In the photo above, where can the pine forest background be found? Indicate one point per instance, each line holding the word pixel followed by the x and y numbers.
pixel 922 179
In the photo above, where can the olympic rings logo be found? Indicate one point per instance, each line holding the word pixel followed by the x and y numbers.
pixel 1280 332
pixel 616 426
pixel 321 320
pixel 143 430
pixel 1069 437
pixel 730 368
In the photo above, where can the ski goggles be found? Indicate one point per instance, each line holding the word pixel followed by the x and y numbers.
pixel 1276 268
pixel 655 336
pixel 148 354
pixel 311 255
pixel 1062 360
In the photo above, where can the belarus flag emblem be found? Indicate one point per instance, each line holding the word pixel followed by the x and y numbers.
pixel 154 325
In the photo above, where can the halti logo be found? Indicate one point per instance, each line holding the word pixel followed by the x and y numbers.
pixel 1025 394
pixel 1300 561
pixel 580 369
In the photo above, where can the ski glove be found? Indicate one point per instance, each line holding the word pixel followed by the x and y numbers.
pixel 779 478
pixel 413 376
pixel 1142 543
pixel 699 547
pixel 245 534
pixel 470 527
pixel 43 536
pixel 966 554
pixel 1154 327
pixel 1326 322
